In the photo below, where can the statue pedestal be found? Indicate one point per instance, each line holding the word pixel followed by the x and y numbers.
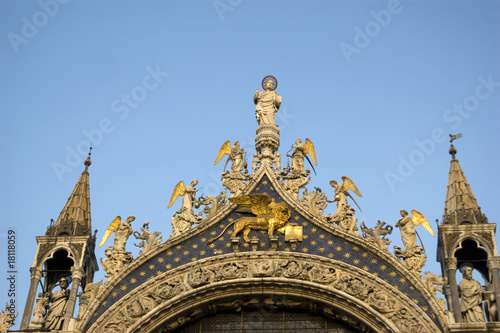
pixel 267 140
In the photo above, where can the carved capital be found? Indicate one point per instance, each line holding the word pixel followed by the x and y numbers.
pixel 451 263
pixel 493 263
pixel 77 273
pixel 35 273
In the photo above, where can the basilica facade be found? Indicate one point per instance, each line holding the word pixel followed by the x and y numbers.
pixel 263 256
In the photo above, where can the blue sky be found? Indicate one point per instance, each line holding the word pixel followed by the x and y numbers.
pixel 158 86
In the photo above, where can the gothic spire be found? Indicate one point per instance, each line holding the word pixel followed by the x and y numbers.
pixel 74 219
pixel 460 206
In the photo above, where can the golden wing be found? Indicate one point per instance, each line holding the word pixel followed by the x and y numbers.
pixel 309 149
pixel 179 189
pixel 258 203
pixel 112 228
pixel 349 185
pixel 225 149
pixel 419 219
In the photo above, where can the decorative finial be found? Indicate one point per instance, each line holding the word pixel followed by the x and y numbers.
pixel 452 137
pixel 453 150
pixel 88 162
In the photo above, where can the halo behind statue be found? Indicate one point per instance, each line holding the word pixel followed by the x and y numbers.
pixel 273 79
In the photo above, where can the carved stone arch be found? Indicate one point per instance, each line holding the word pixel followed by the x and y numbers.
pixel 191 291
pixel 472 250
pixel 49 254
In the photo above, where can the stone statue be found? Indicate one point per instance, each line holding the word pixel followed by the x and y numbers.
pixel 341 193
pixel 268 102
pixel 407 228
pixel 42 303
pixel 6 319
pixel 148 240
pixel 57 307
pixel 300 152
pixel 235 154
pixel 122 230
pixel 184 218
pixel 471 298
pixel 188 194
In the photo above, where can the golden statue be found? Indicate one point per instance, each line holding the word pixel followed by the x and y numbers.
pixel 270 216
pixel 122 230
pixel 300 152
pixel 341 193
pixel 407 226
pixel 235 154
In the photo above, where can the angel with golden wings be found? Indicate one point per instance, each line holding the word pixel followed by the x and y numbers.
pixel 188 193
pixel 407 226
pixel 122 230
pixel 300 152
pixel 235 154
pixel 341 193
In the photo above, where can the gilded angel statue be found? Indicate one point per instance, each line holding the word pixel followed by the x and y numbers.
pixel 267 215
pixel 188 194
pixel 407 226
pixel 122 230
pixel 235 154
pixel 300 152
pixel 341 193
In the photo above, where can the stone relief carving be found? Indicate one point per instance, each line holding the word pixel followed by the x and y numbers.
pixel 212 204
pixel 148 240
pixel 377 235
pixel 228 271
pixel 168 290
pixel 354 286
pixel 413 260
pixel 114 261
pixel 323 274
pixel 405 321
pixel 140 306
pixel 263 268
pixel 315 201
pixel 292 182
pixel 42 303
pixel 90 292
pixel 6 319
pixel 198 277
pixel 296 270
pixel 433 282
pixel 381 302
pixel 118 324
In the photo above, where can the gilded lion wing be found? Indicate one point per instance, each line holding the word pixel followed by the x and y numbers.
pixel 419 219
pixel 179 189
pixel 225 149
pixel 349 185
pixel 113 226
pixel 258 203
pixel 309 149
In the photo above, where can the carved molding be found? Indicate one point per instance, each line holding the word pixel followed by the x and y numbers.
pixel 236 271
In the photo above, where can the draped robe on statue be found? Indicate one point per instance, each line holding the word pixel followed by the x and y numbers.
pixel 268 104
